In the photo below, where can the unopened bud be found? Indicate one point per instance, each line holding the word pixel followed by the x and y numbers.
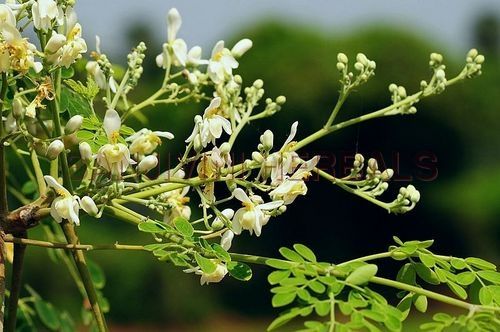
pixel 147 164
pixel 85 152
pixel 54 149
pixel 73 124
pixel 17 108
pixel 88 205
pixel 267 140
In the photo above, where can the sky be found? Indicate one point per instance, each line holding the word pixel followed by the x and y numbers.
pixel 205 22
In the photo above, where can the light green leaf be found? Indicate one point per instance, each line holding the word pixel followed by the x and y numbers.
pixel 150 227
pixel 291 255
pixel 480 263
pixel 426 274
pixel 184 227
pixel 282 299
pixel 485 296
pixel 305 252
pixel 74 103
pixel 276 277
pixel 279 264
pixel 458 263
pixel 205 264
pixel 362 274
pixel 322 308
pixel 491 276
pixel 465 278
pixel 420 302
pixel 221 253
pixel 458 290
pixel 282 320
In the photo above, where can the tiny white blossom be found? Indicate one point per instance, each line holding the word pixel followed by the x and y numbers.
pixel 147 164
pixel 283 162
pixel 251 216
pixel 65 205
pixel 207 278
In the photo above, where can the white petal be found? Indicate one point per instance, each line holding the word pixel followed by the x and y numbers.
pixel 111 123
pixel 174 22
pixel 214 103
pixel 219 46
pixel 180 50
pixel 164 134
pixel 241 196
pixel 227 239
pixel 52 183
pixel 270 205
pixel 293 132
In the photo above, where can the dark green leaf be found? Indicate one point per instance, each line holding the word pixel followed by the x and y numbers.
pixel 426 274
pixel 239 271
pixel 74 103
pixel 29 188
pixel 67 324
pixel 48 315
pixel 97 275
pixel 67 72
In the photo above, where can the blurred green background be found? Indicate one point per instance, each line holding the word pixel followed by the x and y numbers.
pixel 459 209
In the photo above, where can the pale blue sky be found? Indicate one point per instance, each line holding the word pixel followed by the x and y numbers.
pixel 204 22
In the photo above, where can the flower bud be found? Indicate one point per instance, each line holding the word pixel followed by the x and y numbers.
pixel 88 205
pixel 54 149
pixel 147 164
pixel 342 58
pixel 387 174
pixel 241 47
pixel 257 157
pixel 281 100
pixel 267 140
pixel 225 148
pixel 73 124
pixel 17 108
pixel 227 239
pixel 85 152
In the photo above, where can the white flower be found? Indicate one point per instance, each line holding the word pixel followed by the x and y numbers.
pixel 113 157
pixel 219 222
pixel 54 149
pixel 220 157
pixel 294 186
pixel 251 216
pixel 221 63
pixel 43 12
pixel 63 50
pixel 211 126
pixel 146 141
pixel 283 162
pixel 177 201
pixel 227 239
pixel 147 164
pixel 64 206
pixel 88 205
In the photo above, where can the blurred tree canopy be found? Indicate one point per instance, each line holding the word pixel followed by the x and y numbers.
pixel 459 209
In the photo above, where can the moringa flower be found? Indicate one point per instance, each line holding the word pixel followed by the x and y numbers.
pixel 145 141
pixel 294 186
pixel 221 63
pixel 113 157
pixel 65 205
pixel 216 276
pixel 88 205
pixel 211 126
pixel 43 12
pixel 251 216
pixel 177 201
